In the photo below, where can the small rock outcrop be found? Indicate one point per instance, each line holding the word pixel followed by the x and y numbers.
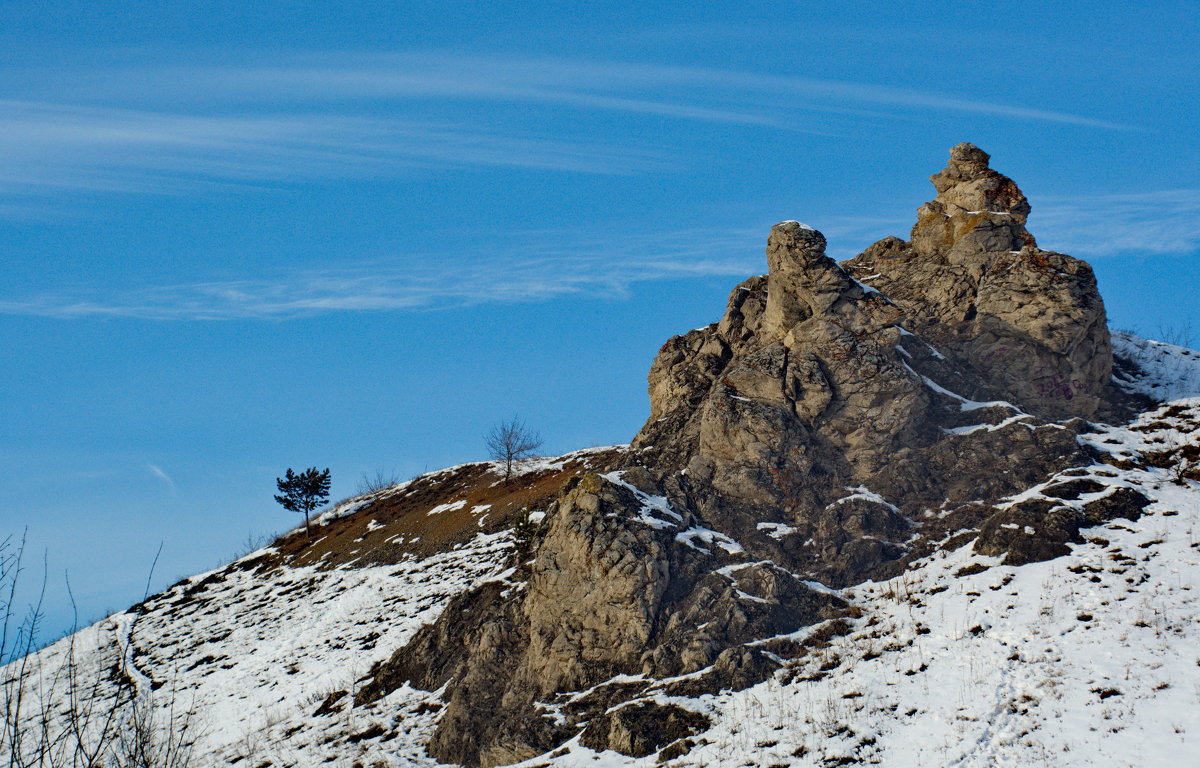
pixel 1042 528
pixel 838 422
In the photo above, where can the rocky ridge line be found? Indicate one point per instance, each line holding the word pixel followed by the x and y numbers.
pixel 839 422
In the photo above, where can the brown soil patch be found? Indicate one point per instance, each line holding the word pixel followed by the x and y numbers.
pixel 397 523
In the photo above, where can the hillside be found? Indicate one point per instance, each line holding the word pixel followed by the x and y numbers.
pixel 919 508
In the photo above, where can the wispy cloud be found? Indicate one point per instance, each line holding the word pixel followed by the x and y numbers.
pixel 700 93
pixel 544 265
pixel 562 265
pixel 1142 223
pixel 47 146
pixel 154 128
pixel 161 475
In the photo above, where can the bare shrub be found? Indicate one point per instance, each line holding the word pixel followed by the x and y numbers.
pixel 60 708
pixel 1180 334
pixel 376 481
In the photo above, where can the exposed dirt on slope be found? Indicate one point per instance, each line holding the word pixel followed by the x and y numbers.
pixel 431 513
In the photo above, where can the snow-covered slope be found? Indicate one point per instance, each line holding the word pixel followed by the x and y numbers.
pixel 1165 372
pixel 1089 659
pixel 246 654
pixel 253 655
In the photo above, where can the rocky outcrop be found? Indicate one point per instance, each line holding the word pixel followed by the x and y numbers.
pixel 837 423
pixel 1042 528
pixel 801 378
pixel 621 585
pixel 821 407
pixel 641 729
pixel 971 279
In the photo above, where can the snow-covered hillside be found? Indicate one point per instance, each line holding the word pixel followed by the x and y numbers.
pixel 253 656
pixel 1088 659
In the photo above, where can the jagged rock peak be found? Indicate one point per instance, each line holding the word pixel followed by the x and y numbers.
pixel 1030 323
pixel 969 184
pixel 968 155
pixel 977 210
pixel 802 282
pixel 792 237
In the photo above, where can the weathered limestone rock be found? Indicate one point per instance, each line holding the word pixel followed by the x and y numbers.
pixel 616 588
pixel 802 282
pixel 836 424
pixel 815 382
pixel 1030 323
pixel 977 210
pixel 802 372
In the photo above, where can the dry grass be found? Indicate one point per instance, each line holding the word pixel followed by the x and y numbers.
pixel 397 524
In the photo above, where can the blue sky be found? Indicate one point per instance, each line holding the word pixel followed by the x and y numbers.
pixel 241 236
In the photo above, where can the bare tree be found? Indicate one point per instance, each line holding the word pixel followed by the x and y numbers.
pixel 511 442
pixel 1180 333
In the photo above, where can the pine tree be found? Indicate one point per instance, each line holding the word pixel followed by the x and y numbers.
pixel 523 533
pixel 303 492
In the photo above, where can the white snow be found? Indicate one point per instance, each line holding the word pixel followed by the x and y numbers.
pixel 650 505
pixel 254 655
pixel 345 509
pixel 710 538
pixel 932 349
pixel 964 404
pixel 989 427
pixel 800 224
pixel 866 288
pixel 1165 372
pixel 554 463
pixel 777 530
pixel 862 493
pixel 449 506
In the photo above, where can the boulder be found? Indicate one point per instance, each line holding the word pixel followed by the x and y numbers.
pixel 641 729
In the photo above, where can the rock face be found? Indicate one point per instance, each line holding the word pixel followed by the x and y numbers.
pixel 826 407
pixel 803 375
pixel 621 584
pixel 837 423
pixel 972 280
